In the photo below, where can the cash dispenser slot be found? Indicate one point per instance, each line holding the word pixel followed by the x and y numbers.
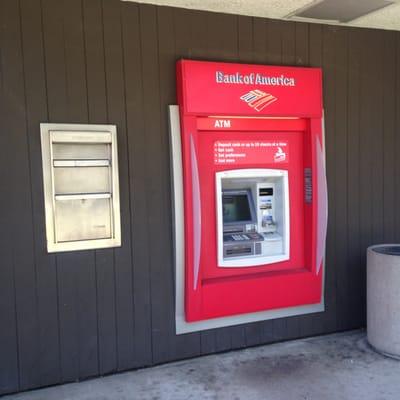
pixel 238 251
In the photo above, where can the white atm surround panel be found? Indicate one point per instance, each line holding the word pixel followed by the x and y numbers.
pixel 81 187
pixel 261 235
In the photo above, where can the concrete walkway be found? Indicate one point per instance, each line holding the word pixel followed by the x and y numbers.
pixel 334 367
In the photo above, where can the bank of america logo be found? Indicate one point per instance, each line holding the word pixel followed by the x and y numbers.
pixel 258 99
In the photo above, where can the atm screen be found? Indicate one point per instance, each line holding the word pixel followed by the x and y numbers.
pixel 236 207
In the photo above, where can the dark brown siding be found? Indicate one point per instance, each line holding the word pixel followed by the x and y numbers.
pixel 71 316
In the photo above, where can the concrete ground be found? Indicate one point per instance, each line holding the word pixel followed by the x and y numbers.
pixel 333 367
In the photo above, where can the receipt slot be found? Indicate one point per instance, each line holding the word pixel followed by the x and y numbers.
pixel 80 177
pixel 249 192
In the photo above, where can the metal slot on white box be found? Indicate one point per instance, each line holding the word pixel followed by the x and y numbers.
pixel 82 180
pixel 80 176
pixel 82 151
pixel 82 219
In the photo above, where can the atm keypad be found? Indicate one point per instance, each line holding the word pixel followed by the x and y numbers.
pixel 242 237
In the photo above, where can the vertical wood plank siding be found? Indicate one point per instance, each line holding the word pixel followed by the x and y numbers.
pixel 70 316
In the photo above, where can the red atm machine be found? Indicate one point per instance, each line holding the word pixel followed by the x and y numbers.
pixel 254 188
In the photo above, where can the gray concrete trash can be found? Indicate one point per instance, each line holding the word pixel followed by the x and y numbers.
pixel 383 298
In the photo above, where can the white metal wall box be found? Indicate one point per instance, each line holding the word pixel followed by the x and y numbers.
pixel 81 188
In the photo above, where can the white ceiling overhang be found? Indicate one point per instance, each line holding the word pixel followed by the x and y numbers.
pixel 383 18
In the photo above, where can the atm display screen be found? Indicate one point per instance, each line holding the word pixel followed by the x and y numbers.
pixel 236 207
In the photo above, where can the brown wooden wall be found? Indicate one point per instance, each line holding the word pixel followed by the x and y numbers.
pixel 75 315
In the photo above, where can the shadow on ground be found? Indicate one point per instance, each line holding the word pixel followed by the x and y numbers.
pixel 333 367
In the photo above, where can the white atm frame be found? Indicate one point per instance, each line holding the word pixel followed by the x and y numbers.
pixel 262 173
